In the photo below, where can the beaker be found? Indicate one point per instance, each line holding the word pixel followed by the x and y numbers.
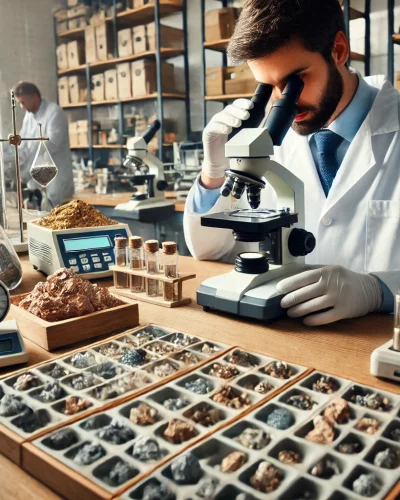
pixel 43 169
pixel 10 266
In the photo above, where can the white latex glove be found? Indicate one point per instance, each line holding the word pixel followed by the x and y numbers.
pixel 216 133
pixel 349 294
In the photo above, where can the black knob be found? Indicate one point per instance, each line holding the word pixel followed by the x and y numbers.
pixel 301 242
pixel 162 185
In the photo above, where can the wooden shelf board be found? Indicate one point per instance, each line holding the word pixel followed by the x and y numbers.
pixel 75 34
pixel 112 146
pixel 219 45
pixel 166 95
pixel 355 56
pixel 150 54
pixel 145 14
pixel 70 71
pixel 75 105
pixel 227 97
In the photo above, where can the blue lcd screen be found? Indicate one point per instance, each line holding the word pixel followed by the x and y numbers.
pixel 79 244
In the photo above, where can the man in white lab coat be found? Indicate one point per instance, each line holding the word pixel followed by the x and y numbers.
pixel 55 127
pixel 344 145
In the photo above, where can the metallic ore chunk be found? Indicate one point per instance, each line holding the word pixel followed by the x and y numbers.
pixel 61 439
pixel 51 392
pixel 164 369
pixel 300 401
pixel 323 431
pixel 255 439
pixel 350 447
pixel 289 457
pixel 205 415
pixel 58 371
pixel 119 474
pixel 178 431
pixel 373 401
pixel 223 371
pixel 106 370
pixel 366 485
pixel 207 488
pixel 83 381
pixel 82 359
pixel 154 491
pixel 325 385
pixel 368 425
pixel 198 386
pixel 11 406
pixel 209 349
pixel 26 381
pixel 233 461
pixel 143 415
pixel 89 453
pixel 134 357
pixel 74 405
pixel 267 478
pixel 116 433
pixel 172 404
pixel 278 369
pixel 326 468
pixel 387 459
pixel 145 449
pixel 395 435
pixel 338 411
pixel 186 469
pixel 280 418
pixel 30 420
pixel 242 358
pixel 229 397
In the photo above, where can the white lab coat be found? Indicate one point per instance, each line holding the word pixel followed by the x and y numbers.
pixel 55 127
pixel 358 225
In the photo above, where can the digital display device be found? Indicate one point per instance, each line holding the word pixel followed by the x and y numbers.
pixel 89 243
pixel 6 346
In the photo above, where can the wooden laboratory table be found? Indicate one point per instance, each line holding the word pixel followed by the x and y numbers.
pixel 342 349
pixel 113 199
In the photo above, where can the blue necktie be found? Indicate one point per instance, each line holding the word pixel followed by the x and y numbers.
pixel 327 143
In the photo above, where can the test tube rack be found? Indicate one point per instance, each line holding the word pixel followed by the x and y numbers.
pixel 160 278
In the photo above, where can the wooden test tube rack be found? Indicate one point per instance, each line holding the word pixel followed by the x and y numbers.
pixel 159 300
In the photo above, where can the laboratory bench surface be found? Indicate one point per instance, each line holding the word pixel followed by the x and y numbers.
pixel 342 349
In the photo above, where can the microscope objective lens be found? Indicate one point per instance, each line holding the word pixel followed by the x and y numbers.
pixel 237 189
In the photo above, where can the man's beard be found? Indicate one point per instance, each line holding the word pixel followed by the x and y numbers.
pixel 321 113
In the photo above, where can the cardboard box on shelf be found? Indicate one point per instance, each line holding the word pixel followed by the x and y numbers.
pixel 90 44
pixel 215 81
pixel 83 133
pixel 239 80
pixel 98 93
pixel 171 38
pixel 73 134
pixel 124 77
pixel 63 91
pixel 78 10
pixel 104 41
pixel 139 39
pixel 77 22
pixel 220 23
pixel 98 18
pixel 125 45
pixel 76 53
pixel 77 89
pixel 111 84
pixel 61 15
pixel 61 26
pixel 144 77
pixel 62 56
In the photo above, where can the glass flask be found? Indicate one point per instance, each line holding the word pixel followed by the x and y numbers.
pixel 10 266
pixel 43 169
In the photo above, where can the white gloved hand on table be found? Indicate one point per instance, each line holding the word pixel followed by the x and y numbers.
pixel 348 294
pixel 216 133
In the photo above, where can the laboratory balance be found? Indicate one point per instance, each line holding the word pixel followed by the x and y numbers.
pixel 12 347
pixel 89 251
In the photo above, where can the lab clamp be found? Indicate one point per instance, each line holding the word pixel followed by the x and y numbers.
pixel 145 173
pixel 43 171
pixel 250 289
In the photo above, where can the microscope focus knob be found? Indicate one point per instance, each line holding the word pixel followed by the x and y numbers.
pixel 301 242
pixel 162 185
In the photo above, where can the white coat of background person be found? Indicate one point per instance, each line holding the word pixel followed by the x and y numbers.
pixel 55 127
pixel 357 226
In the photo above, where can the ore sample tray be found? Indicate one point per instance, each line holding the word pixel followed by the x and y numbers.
pixel 52 335
pixel 99 374
pixel 157 426
pixel 232 462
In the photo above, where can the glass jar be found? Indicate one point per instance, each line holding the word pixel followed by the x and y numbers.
pixel 136 258
pixel 170 259
pixel 121 279
pixel 151 248
pixel 10 266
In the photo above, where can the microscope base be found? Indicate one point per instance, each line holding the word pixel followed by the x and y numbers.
pixel 247 295
pixel 385 362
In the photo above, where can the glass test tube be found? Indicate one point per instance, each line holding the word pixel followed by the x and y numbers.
pixel 151 248
pixel 170 258
pixel 121 280
pixel 396 336
pixel 136 256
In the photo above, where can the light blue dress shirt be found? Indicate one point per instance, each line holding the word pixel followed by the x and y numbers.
pixel 347 124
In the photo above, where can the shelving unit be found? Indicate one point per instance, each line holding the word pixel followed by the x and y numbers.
pixel 220 46
pixel 393 39
pixel 129 18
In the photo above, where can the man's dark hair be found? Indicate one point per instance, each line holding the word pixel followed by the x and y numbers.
pixel 26 88
pixel 267 25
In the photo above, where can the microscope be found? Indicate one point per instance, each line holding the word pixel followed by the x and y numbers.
pixel 144 172
pixel 249 290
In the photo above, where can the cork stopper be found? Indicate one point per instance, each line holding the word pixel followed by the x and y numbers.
pixel 120 241
pixel 135 242
pixel 151 246
pixel 169 247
